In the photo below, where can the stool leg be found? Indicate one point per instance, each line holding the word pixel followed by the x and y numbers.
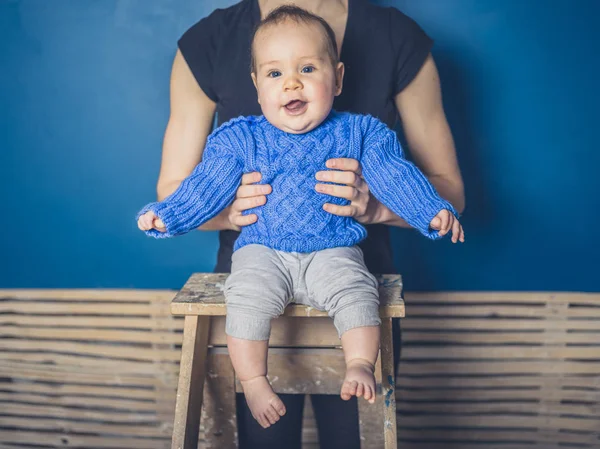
pixel 388 385
pixel 377 422
pixel 219 416
pixel 370 416
pixel 192 372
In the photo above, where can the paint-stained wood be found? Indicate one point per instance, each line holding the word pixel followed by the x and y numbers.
pixel 287 332
pixel 203 295
pixel 305 371
pixel 219 408
pixel 190 389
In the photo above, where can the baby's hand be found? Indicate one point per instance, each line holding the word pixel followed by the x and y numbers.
pixel 445 221
pixel 150 221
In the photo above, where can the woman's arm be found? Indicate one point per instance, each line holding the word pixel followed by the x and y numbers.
pixel 190 123
pixel 430 143
pixel 428 134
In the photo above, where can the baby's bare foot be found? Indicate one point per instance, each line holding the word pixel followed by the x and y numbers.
pixel 359 380
pixel 265 405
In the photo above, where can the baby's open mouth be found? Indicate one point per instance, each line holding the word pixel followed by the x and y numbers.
pixel 295 106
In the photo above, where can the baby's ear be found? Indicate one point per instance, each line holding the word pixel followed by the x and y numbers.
pixel 253 75
pixel 339 78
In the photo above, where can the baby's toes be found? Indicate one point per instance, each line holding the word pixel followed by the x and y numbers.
pixel 360 389
pixel 272 415
pixel 277 405
pixel 348 390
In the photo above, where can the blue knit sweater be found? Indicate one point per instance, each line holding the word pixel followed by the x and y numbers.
pixel 293 218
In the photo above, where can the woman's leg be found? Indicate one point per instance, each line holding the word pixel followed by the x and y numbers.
pixel 337 421
pixel 287 433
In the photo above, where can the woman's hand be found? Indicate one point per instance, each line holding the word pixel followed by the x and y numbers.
pixel 363 207
pixel 248 196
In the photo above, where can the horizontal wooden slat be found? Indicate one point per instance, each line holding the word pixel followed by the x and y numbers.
pixel 499 421
pixel 81 374
pixel 115 418
pixel 93 364
pixel 65 437
pixel 505 394
pixel 286 331
pixel 443 380
pixel 491 367
pixel 472 434
pixel 87 401
pixel 111 295
pixel 512 311
pixel 530 298
pixel 446 323
pixel 461 445
pixel 90 335
pixel 501 352
pixel 104 350
pixel 95 322
pixel 63 308
pixel 494 408
pixel 480 338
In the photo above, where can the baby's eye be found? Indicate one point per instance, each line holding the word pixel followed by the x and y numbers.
pixel 274 74
pixel 308 69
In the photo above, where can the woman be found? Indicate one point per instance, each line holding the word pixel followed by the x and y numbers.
pixel 389 72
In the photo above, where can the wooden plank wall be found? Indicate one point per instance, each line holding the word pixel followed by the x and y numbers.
pixel 500 370
pixel 98 369
pixel 87 369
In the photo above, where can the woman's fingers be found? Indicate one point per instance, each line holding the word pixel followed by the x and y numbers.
pixel 248 191
pixel 344 164
pixel 347 184
pixel 348 178
pixel 346 192
pixel 243 204
pixel 243 220
pixel 251 178
pixel 342 211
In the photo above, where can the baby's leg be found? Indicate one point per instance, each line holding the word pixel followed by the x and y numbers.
pixel 338 281
pixel 361 346
pixel 249 359
pixel 257 291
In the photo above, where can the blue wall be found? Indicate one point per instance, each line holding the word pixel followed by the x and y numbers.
pixel 84 104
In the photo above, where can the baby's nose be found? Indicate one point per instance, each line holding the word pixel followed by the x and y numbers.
pixel 292 83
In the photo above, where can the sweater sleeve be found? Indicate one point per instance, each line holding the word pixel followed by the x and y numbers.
pixel 396 182
pixel 208 190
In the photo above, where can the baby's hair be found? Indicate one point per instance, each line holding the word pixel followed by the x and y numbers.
pixel 290 12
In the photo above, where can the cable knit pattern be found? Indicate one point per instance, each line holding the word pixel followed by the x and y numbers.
pixel 293 218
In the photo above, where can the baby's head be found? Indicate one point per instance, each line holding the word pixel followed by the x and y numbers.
pixel 295 69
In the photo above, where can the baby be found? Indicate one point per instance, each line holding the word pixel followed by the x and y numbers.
pixel 296 250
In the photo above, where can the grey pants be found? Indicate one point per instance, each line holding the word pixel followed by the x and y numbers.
pixel 264 281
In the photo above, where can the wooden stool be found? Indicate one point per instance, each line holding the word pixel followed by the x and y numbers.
pixel 305 357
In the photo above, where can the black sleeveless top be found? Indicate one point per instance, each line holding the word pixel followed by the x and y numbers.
pixel 383 50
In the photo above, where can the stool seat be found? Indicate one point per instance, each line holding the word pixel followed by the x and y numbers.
pixel 305 357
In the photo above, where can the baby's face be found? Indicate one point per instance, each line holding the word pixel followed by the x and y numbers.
pixel 294 76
